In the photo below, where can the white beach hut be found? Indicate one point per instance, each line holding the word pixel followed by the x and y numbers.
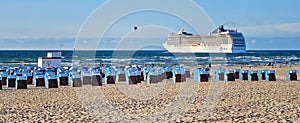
pixel 52 60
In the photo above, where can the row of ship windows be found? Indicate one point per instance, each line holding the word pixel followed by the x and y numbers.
pixel 236 48
pixel 238 41
pixel 239 48
pixel 224 48
pixel 236 35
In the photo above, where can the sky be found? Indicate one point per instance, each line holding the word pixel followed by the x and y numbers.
pixel 35 24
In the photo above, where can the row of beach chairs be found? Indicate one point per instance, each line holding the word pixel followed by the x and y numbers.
pixel 20 78
pixel 246 75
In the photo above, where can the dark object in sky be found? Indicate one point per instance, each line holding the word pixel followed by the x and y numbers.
pixel 135 28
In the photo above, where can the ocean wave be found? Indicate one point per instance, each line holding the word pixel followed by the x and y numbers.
pixel 10 58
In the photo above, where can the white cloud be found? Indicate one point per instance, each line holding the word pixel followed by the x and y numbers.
pixel 20 41
pixel 274 30
pixel 291 27
pixel 114 41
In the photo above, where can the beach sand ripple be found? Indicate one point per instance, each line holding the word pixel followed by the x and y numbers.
pixel 238 101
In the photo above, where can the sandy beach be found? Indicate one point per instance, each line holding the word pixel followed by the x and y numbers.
pixel 147 61
pixel 239 101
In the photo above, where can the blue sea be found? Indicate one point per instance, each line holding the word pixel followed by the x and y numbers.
pixel 29 58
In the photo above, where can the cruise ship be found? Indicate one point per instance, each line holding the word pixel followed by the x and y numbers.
pixel 219 41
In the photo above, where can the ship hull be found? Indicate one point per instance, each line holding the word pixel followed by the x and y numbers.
pixel 199 49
